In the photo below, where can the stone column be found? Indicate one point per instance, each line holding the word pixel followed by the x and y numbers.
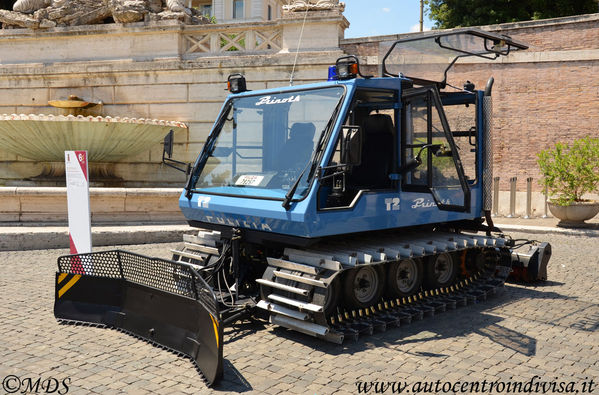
pixel 322 28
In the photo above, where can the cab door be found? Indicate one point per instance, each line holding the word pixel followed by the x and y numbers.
pixel 426 134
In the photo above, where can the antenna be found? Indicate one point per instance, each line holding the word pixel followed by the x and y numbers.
pixel 421 15
pixel 298 47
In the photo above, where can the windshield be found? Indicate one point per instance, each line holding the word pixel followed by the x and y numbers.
pixel 266 141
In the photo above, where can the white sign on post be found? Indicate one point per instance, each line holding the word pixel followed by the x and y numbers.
pixel 78 208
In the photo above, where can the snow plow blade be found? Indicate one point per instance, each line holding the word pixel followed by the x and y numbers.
pixel 164 302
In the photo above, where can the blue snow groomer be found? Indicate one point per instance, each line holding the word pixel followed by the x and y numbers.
pixel 333 209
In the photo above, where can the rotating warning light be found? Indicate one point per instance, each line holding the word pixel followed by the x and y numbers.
pixel 236 83
pixel 346 67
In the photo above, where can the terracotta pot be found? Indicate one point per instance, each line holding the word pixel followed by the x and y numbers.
pixel 574 214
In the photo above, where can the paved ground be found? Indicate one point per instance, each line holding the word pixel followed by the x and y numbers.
pixel 550 331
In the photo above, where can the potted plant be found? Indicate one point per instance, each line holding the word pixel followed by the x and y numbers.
pixel 569 172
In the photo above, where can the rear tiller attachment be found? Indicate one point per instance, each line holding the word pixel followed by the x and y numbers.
pixel 161 301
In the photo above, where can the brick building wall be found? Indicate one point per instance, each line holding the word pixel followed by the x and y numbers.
pixel 546 94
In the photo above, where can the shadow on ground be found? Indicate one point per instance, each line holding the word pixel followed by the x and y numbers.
pixel 456 323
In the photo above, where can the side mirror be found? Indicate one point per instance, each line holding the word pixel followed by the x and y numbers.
pixel 411 165
pixel 167 151
pixel 351 145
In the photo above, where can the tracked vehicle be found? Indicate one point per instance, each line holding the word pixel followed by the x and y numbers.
pixel 334 209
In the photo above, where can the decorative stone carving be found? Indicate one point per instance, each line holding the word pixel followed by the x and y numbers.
pixel 155 6
pixel 39 14
pixel 18 19
pixel 30 6
pixel 314 5
pixel 72 13
pixel 177 6
pixel 127 11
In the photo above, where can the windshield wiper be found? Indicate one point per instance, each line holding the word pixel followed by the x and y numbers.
pixel 289 196
pixel 207 151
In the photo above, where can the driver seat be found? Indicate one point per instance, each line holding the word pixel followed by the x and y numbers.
pixel 377 153
pixel 297 150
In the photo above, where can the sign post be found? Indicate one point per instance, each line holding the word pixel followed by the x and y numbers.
pixel 78 208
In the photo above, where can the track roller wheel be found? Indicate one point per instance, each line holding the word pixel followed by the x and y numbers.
pixel 490 260
pixel 441 270
pixel 363 286
pixel 482 262
pixel 404 278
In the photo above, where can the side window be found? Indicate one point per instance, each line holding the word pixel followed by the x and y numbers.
pixel 443 168
pixel 427 137
pixel 416 127
pixel 462 122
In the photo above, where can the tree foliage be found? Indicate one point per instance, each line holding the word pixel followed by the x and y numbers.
pixel 460 13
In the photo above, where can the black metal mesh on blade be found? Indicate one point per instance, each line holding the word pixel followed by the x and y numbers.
pixel 161 274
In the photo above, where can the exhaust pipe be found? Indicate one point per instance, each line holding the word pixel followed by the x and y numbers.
pixel 488 150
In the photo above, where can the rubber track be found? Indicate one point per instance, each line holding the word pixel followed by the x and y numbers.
pixel 395 313
pixel 291 307
pixel 350 324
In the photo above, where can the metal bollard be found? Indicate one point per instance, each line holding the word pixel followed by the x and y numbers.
pixel 512 213
pixel 495 196
pixel 528 198
pixel 545 208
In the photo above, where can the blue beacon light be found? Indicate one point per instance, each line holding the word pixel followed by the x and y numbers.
pixel 333 73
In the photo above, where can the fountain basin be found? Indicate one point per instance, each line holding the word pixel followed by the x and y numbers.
pixel 106 139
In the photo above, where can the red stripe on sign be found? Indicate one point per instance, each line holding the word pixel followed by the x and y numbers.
pixel 76 265
pixel 72 245
pixel 82 159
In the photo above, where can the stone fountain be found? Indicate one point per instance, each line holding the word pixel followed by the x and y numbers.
pixel 143 58
pixel 44 138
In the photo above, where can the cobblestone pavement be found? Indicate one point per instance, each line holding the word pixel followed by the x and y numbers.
pixel 550 330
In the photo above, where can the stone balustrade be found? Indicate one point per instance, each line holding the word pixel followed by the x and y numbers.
pixel 228 40
pixel 145 41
